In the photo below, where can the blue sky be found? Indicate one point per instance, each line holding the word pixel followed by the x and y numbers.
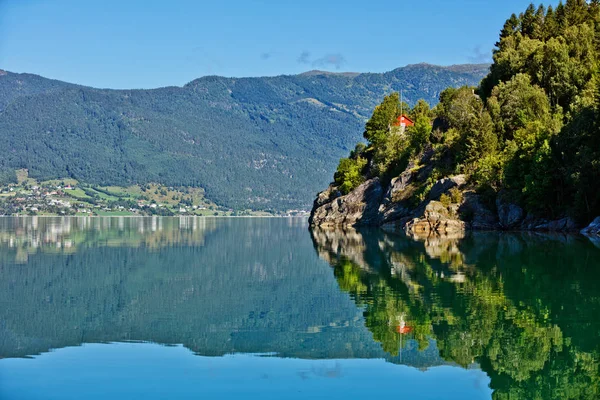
pixel 146 44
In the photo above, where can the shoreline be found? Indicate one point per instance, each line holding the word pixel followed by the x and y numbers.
pixel 457 235
pixel 152 216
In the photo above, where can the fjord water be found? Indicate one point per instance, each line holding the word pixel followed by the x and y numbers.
pixel 195 307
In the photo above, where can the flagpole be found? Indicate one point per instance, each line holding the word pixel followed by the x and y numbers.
pixel 401 105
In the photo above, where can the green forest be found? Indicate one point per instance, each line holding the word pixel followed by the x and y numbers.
pixel 530 131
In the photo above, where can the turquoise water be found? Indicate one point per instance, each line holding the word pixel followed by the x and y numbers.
pixel 159 308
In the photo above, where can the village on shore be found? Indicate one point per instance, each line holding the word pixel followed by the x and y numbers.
pixel 69 197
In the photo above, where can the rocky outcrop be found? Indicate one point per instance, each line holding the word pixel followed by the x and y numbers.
pixel 477 214
pixel 592 229
pixel 560 225
pixel 437 219
pixel 510 215
pixel 395 207
pixel 359 207
pixel 326 196
pixel 444 185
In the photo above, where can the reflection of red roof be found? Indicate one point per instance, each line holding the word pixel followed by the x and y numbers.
pixel 403 330
pixel 403 120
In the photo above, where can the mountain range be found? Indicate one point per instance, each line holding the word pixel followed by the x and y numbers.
pixel 267 143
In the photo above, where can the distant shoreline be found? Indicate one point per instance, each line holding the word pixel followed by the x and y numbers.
pixel 154 216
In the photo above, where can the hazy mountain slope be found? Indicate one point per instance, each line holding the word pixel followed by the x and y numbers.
pixel 262 143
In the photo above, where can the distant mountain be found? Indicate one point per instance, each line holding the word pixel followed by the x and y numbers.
pixel 319 72
pixel 260 143
pixel 20 85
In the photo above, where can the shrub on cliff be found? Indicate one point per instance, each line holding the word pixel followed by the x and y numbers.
pixel 349 173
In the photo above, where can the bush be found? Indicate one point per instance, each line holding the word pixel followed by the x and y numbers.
pixel 349 174
pixel 445 200
pixel 456 195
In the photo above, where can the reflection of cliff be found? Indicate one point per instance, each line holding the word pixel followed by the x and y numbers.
pixel 249 285
pixel 524 307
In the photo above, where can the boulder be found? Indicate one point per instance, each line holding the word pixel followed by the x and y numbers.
pixel 445 184
pixel 592 229
pixel 393 208
pixel 476 214
pixel 327 196
pixel 509 215
pixel 530 222
pixel 561 225
pixel 359 207
pixel 436 219
pixel 397 186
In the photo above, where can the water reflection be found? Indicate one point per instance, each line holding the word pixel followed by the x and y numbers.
pixel 523 307
pixel 216 286
pixel 28 235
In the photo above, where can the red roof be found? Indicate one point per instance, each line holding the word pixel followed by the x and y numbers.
pixel 404 120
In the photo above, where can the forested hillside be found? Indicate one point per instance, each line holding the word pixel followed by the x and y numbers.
pixel 527 137
pixel 260 143
pixel 18 85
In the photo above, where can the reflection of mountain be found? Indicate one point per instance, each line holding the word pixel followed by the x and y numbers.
pixel 24 236
pixel 216 285
pixel 525 307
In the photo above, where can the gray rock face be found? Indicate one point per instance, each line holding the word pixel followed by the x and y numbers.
pixel 561 225
pixel 326 196
pixel 592 229
pixel 359 207
pixel 445 184
pixel 390 209
pixel 394 207
pixel 477 214
pixel 509 215
pixel 398 185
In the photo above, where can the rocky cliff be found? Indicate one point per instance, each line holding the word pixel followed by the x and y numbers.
pixel 411 203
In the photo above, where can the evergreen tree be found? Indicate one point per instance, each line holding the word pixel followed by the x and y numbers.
pixel 550 24
pixel 538 31
pixel 576 12
pixel 421 108
pixel 510 27
pixel 383 117
pixel 560 17
pixel 528 21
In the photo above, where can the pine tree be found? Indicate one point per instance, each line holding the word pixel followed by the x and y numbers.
pixel 550 24
pixel 576 12
pixel 538 31
pixel 383 116
pixel 510 27
pixel 528 21
pixel 560 17
pixel 594 12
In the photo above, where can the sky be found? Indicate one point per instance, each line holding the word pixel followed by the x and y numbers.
pixel 146 43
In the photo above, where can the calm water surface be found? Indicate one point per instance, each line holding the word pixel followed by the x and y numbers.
pixel 162 308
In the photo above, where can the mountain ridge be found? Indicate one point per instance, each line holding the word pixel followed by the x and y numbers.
pixel 452 67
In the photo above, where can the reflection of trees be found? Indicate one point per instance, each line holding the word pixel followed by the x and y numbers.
pixel 521 306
